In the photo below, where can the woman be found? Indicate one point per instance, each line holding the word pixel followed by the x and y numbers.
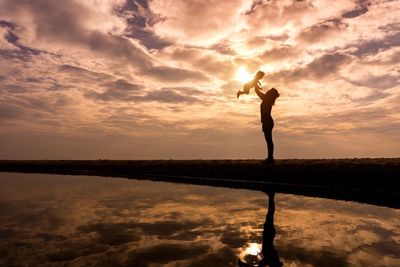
pixel 268 100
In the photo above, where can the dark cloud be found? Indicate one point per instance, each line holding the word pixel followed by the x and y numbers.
pixel 170 96
pixel 6 233
pixel 140 18
pixel 84 74
pixel 305 256
pixel 362 8
pixel 47 219
pixel 279 53
pixel 7 24
pixel 46 237
pixel 148 38
pixel 68 251
pixel 385 81
pixel 371 47
pixel 224 256
pixel 320 31
pixel 165 253
pixel 9 111
pixel 223 47
pixel 112 234
pixel 42 103
pixel 133 93
pixel 388 247
pixel 320 67
pixel 254 6
pixel 377 228
pixel 13 39
pixel 374 96
pixel 21 51
pixel 172 74
pixel 279 37
pixel 123 85
pixel 119 48
pixel 325 65
pixel 232 237
pixel 120 90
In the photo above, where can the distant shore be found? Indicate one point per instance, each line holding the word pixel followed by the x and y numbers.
pixel 371 181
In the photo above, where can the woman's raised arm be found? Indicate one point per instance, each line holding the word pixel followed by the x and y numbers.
pixel 258 92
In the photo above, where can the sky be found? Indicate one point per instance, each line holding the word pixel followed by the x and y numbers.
pixel 125 79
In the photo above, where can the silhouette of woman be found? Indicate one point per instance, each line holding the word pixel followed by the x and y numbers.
pixel 268 100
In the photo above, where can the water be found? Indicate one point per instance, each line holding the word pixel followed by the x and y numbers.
pixel 58 220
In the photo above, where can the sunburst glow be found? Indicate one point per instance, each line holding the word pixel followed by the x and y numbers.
pixel 243 75
pixel 253 249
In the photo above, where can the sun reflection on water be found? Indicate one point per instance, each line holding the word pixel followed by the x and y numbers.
pixel 250 254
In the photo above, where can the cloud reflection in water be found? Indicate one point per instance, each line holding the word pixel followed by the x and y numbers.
pixel 54 219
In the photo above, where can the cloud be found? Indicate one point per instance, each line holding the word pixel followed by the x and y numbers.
pixel 319 68
pixel 314 258
pixel 233 238
pixel 165 253
pixel 197 22
pixel 172 230
pixel 368 47
pixel 9 111
pixel 172 74
pixel 83 74
pixel 111 234
pixel 73 250
pixel 321 31
pixel 139 69
pixel 140 19
pixel 385 81
pixel 359 10
pixel 83 35
pixel 123 91
pixel 279 53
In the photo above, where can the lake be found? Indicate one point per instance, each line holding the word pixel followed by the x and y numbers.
pixel 61 220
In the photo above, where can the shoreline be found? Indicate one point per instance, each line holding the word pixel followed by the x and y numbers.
pixel 369 181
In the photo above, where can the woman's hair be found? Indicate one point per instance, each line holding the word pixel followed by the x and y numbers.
pixel 271 95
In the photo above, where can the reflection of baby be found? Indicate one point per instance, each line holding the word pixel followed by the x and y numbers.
pixel 247 86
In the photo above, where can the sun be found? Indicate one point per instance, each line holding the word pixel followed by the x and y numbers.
pixel 253 249
pixel 243 75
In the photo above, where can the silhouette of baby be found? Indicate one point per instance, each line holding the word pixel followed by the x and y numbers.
pixel 247 86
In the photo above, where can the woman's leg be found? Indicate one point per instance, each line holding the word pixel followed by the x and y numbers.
pixel 270 144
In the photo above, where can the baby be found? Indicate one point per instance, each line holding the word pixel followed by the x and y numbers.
pixel 247 86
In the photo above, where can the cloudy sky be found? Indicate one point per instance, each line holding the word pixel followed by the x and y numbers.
pixel 158 79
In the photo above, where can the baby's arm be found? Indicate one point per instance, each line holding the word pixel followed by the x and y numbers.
pixel 258 92
pixel 259 84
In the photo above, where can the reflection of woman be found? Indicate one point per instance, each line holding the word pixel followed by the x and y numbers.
pixel 269 254
pixel 268 100
pixel 268 250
